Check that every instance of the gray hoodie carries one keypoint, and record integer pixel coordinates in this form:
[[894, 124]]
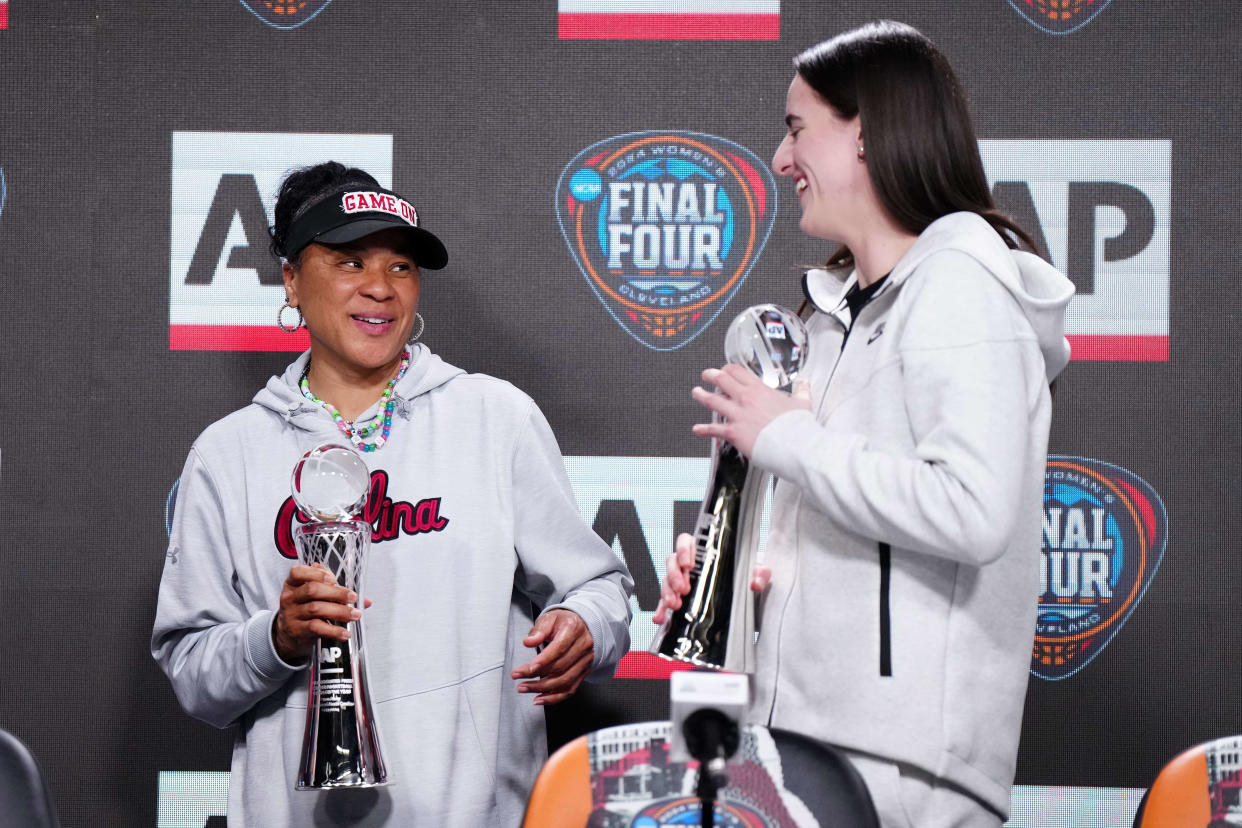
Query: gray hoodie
[[905, 529], [475, 530]]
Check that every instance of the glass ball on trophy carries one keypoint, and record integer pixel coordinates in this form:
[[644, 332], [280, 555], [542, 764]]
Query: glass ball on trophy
[[771, 342], [330, 483]]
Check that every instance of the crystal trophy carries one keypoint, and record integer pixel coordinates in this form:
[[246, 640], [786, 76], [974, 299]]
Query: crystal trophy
[[715, 627], [341, 745]]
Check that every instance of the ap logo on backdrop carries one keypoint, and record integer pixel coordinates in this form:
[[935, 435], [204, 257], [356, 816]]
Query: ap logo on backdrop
[[1105, 532], [225, 287], [665, 226], [1059, 16], [285, 14], [1101, 210]]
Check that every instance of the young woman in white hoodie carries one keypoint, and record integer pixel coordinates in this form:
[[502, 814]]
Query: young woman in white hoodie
[[902, 564]]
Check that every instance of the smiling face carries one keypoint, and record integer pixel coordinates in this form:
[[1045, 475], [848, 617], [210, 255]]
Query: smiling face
[[820, 153], [359, 301]]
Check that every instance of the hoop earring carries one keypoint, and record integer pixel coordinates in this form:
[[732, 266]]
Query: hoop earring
[[280, 318], [418, 317]]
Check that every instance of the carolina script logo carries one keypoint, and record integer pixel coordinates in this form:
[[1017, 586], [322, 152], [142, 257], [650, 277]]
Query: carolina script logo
[[665, 226], [1059, 16], [388, 518], [285, 14], [1104, 535]]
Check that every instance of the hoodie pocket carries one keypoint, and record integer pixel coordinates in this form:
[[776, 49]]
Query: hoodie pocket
[[886, 622]]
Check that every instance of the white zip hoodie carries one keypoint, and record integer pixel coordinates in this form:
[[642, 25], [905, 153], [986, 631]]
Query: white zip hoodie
[[905, 527], [475, 529]]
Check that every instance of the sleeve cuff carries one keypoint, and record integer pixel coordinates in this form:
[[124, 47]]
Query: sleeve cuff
[[595, 625], [261, 650]]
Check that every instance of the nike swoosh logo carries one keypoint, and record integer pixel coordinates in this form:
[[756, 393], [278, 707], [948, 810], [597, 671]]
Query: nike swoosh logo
[[876, 334]]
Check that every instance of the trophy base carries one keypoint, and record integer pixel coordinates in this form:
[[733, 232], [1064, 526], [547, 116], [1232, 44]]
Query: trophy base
[[330, 786], [691, 660], [322, 776]]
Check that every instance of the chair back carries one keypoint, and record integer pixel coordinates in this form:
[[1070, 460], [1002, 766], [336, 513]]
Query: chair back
[[1199, 788], [618, 775], [24, 797]]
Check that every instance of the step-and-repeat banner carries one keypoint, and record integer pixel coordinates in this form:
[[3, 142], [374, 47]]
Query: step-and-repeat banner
[[599, 171]]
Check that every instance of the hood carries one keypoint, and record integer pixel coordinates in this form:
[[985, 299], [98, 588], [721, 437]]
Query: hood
[[1039, 288], [283, 396]]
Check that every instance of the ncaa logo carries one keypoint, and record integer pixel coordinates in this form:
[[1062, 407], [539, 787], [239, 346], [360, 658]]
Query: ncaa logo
[[665, 226], [1104, 536], [285, 14], [225, 285], [1059, 16]]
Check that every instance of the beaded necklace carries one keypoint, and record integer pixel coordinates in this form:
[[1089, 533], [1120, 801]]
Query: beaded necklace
[[357, 435]]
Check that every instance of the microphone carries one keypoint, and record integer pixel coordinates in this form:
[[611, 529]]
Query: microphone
[[711, 737], [707, 711]]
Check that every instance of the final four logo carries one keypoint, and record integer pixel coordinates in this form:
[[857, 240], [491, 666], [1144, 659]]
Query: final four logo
[[1104, 535], [285, 14], [1059, 16], [688, 811], [665, 226]]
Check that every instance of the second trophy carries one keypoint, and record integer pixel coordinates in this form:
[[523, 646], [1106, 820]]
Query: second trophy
[[715, 627]]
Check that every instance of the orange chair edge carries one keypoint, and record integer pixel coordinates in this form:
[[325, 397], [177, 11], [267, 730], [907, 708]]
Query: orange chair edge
[[1179, 796], [562, 797]]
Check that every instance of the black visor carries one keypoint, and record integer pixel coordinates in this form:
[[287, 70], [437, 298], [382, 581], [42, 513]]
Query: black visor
[[350, 214]]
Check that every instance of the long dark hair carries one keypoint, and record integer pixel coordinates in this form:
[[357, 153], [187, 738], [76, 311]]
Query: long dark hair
[[305, 187], [922, 154]]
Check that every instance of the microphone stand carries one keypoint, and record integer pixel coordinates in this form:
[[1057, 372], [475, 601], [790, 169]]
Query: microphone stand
[[711, 737]]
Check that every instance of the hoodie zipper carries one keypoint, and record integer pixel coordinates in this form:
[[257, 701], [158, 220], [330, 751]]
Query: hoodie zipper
[[885, 551], [780, 629], [886, 641]]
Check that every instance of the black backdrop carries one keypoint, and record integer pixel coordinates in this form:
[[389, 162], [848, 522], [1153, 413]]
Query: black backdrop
[[486, 106]]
